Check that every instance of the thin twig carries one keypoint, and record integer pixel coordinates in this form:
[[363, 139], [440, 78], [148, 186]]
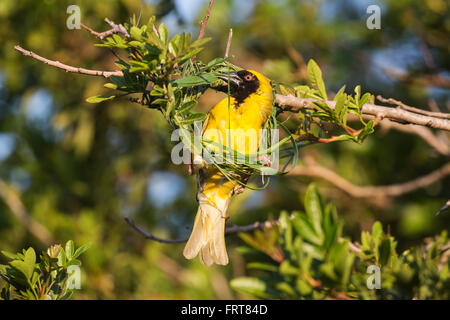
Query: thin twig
[[205, 20], [444, 208], [67, 68], [102, 36], [230, 37], [312, 169], [149, 235], [118, 27], [228, 231], [416, 110]]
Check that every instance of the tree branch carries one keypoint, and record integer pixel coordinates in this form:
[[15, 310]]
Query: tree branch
[[230, 37], [355, 247], [228, 231], [205, 20], [67, 68], [116, 28], [294, 104], [15, 204], [401, 105], [312, 169]]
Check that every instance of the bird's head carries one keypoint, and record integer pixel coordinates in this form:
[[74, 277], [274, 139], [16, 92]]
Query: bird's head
[[243, 83]]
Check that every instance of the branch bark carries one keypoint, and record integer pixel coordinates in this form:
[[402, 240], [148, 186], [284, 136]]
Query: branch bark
[[67, 68], [205, 20], [230, 37], [294, 104], [116, 28], [401, 105]]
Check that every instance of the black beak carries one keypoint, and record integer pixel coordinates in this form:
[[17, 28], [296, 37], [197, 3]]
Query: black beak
[[232, 77]]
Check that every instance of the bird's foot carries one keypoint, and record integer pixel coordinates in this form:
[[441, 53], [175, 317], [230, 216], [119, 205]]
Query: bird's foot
[[239, 189], [264, 159], [191, 169]]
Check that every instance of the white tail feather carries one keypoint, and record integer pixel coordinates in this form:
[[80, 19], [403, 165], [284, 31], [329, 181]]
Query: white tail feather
[[208, 235]]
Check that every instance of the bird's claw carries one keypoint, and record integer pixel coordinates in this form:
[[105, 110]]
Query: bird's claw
[[239, 189], [265, 159]]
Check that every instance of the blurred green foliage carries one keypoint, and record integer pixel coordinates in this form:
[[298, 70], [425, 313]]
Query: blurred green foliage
[[80, 168]]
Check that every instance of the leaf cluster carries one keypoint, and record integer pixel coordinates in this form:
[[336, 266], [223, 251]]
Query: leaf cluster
[[29, 279], [305, 256], [313, 127]]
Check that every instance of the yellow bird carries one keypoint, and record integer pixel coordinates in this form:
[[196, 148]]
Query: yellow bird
[[245, 111]]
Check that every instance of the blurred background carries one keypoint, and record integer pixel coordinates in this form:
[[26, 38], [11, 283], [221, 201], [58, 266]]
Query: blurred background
[[73, 170]]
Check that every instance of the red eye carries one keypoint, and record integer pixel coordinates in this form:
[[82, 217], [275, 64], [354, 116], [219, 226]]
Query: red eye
[[248, 78]]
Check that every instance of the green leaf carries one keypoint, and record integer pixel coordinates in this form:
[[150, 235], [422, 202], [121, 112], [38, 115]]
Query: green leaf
[[384, 251], [192, 81], [111, 86], [305, 229], [198, 43], [357, 94], [80, 250], [174, 45], [315, 77], [136, 33], [377, 230], [262, 266], [62, 258], [189, 55], [251, 285], [136, 44], [246, 250], [69, 249], [341, 106], [25, 268], [364, 99], [101, 98], [213, 63], [156, 41], [368, 129], [287, 269], [285, 288], [74, 262], [187, 106], [9, 255], [30, 257], [313, 207], [6, 292], [303, 287], [123, 66], [163, 33]]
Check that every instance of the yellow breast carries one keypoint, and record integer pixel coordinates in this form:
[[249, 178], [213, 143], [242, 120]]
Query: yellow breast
[[239, 125]]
